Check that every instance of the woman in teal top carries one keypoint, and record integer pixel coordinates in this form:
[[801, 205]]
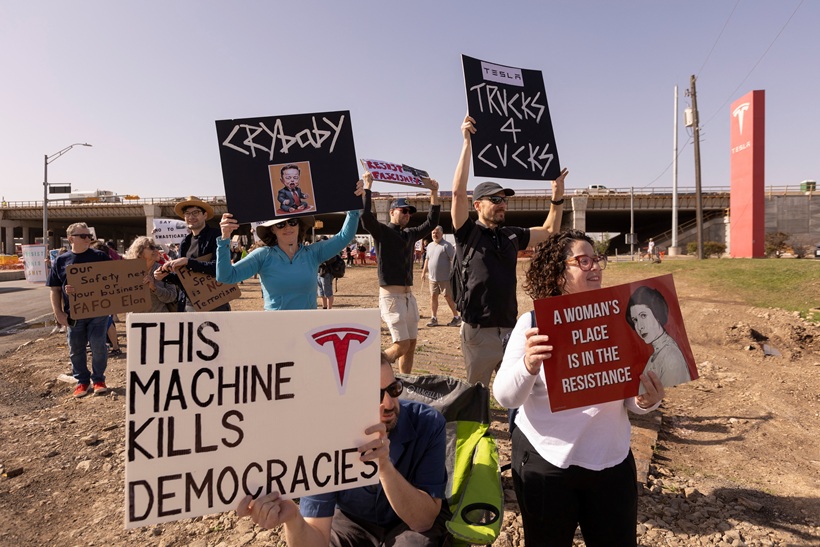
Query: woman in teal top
[[287, 269]]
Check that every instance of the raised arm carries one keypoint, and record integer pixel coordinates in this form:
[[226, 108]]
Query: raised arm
[[369, 221], [460, 209], [552, 224]]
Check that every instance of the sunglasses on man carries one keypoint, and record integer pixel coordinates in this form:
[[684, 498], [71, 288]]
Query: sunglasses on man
[[496, 200], [404, 211], [82, 236], [289, 222], [394, 390]]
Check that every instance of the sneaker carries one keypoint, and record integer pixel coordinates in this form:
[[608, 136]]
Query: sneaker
[[456, 322], [115, 352], [433, 322], [81, 390], [99, 388]]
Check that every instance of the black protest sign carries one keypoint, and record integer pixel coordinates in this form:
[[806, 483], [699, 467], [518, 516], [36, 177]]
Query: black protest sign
[[288, 165], [514, 137]]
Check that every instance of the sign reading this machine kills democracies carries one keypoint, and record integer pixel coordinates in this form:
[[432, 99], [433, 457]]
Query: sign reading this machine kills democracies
[[514, 137], [604, 339], [288, 165], [211, 418]]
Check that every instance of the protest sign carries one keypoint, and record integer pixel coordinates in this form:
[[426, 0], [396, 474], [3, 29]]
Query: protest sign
[[288, 165], [108, 287], [394, 172], [204, 292], [211, 417], [604, 339], [34, 258], [514, 137], [169, 231]]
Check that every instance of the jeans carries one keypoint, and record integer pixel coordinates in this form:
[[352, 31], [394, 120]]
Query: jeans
[[88, 331]]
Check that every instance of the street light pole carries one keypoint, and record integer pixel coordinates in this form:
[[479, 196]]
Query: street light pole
[[46, 160]]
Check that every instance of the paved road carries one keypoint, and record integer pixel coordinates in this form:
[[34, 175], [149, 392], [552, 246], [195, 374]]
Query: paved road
[[23, 303]]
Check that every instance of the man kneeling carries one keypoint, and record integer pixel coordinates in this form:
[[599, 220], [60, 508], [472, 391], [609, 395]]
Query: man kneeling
[[405, 508]]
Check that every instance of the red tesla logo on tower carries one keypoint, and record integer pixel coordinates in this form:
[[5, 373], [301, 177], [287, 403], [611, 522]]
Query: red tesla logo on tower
[[339, 344]]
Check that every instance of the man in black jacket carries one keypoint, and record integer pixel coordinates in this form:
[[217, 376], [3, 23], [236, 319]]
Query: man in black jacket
[[199, 244], [394, 254]]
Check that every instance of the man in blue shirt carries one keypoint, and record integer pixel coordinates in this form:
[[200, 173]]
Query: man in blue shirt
[[405, 508], [80, 332]]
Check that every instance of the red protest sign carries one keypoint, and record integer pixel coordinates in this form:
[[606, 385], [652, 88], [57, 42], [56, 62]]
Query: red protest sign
[[604, 340]]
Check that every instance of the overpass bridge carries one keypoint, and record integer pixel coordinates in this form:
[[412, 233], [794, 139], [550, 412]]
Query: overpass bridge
[[21, 222]]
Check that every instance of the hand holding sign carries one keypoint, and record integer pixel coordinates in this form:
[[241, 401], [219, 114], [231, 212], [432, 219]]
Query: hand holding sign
[[537, 350]]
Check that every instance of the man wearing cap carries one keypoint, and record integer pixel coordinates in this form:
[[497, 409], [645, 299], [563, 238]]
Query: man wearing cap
[[200, 243], [395, 243], [489, 309]]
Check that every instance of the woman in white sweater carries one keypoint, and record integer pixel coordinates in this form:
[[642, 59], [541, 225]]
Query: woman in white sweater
[[572, 467]]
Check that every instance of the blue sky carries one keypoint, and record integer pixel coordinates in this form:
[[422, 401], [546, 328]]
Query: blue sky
[[143, 82]]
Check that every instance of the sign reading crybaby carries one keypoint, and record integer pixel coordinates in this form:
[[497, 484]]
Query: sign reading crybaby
[[255, 153], [605, 339], [211, 418], [514, 137]]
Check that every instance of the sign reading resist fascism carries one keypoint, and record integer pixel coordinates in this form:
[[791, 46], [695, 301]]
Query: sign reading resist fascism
[[514, 137], [108, 287], [604, 339], [254, 151], [394, 172], [34, 257], [212, 418]]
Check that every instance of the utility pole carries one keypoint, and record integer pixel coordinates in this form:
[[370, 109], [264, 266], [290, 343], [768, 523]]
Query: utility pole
[[698, 196], [674, 247]]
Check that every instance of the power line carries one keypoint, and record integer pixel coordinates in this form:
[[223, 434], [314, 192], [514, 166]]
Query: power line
[[718, 38], [720, 108], [680, 151]]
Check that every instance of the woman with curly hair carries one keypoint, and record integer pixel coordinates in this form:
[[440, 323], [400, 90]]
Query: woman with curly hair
[[163, 295], [572, 467]]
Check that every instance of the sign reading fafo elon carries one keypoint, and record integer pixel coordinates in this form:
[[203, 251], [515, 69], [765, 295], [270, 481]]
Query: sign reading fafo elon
[[212, 418]]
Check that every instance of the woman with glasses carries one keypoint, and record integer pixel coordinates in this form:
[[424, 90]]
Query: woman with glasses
[[163, 295], [287, 269], [572, 467]]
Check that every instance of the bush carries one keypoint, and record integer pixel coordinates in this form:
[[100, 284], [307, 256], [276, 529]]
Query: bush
[[710, 248], [775, 243], [802, 245], [602, 245]]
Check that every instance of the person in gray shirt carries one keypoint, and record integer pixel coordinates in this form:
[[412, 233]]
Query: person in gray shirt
[[438, 264]]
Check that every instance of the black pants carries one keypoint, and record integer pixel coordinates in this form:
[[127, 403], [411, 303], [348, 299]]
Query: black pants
[[555, 501], [347, 532]]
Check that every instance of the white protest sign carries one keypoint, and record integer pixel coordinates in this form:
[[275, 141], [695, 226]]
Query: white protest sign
[[34, 257], [211, 417], [169, 230], [399, 173]]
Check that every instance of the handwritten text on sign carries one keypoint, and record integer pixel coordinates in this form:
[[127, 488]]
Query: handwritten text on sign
[[394, 172], [109, 287], [598, 356], [211, 418], [34, 257], [169, 230], [204, 291], [514, 137]]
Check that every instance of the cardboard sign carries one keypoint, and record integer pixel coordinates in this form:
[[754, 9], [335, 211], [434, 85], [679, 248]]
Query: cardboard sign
[[599, 356], [108, 287], [211, 418], [169, 231], [385, 171], [204, 291], [514, 137], [34, 258], [282, 166]]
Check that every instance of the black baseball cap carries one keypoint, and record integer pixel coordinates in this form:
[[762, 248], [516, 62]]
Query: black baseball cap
[[490, 188], [401, 203]]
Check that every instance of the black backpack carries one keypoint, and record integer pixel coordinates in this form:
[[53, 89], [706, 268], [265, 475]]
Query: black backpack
[[336, 267]]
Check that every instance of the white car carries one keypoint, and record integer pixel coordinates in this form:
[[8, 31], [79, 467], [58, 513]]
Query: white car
[[595, 190]]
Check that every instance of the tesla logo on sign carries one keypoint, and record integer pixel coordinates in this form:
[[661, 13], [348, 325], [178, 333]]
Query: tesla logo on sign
[[339, 344], [738, 113]]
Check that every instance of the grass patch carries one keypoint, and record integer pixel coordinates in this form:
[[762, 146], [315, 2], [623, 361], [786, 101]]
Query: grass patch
[[789, 284]]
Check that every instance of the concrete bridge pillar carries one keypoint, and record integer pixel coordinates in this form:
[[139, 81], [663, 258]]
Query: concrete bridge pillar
[[26, 234], [151, 212], [7, 234], [382, 207], [579, 213]]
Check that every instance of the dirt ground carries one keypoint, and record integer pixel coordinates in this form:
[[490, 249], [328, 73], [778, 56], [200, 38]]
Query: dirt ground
[[745, 435]]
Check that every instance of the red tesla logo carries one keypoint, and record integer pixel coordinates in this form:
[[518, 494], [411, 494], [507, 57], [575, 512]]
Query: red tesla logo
[[340, 343]]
